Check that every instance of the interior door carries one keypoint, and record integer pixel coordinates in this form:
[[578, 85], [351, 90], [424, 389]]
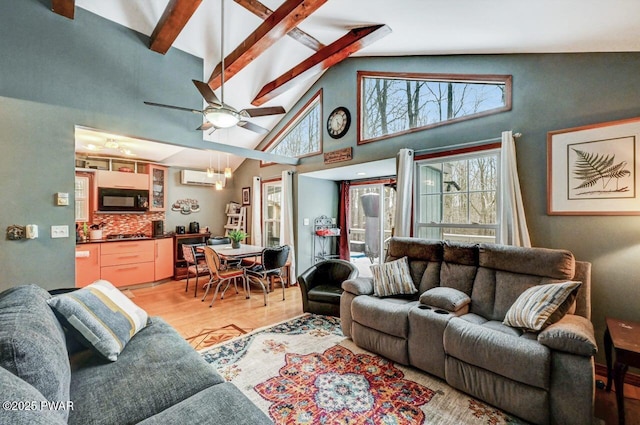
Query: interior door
[[371, 220]]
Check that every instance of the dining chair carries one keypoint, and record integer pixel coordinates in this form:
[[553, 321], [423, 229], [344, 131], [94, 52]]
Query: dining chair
[[218, 274], [273, 260], [196, 265]]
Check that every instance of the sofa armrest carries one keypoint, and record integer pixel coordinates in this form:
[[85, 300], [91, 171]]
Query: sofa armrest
[[359, 286], [448, 299], [572, 334]]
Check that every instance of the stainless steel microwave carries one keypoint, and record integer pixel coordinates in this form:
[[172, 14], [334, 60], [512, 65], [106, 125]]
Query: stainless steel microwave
[[122, 200]]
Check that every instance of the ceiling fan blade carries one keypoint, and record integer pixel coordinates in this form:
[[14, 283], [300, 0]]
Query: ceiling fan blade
[[205, 126], [261, 112], [252, 127], [207, 93], [179, 108]]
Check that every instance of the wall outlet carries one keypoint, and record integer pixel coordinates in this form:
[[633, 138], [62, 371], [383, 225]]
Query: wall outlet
[[59, 231]]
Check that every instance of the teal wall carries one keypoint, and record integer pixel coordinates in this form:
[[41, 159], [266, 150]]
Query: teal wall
[[550, 92], [57, 73]]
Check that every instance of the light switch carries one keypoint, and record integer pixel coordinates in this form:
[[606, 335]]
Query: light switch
[[305, 221], [62, 199]]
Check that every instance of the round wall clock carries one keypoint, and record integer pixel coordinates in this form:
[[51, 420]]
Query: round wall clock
[[338, 122]]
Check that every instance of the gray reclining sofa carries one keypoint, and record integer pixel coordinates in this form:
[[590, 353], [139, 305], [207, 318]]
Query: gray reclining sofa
[[544, 377]]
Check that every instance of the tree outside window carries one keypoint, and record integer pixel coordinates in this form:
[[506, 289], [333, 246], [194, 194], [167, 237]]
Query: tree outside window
[[302, 136], [271, 212], [456, 198], [392, 104]]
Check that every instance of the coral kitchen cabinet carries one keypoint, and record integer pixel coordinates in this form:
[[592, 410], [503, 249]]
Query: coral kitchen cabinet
[[87, 264], [128, 263], [163, 258]]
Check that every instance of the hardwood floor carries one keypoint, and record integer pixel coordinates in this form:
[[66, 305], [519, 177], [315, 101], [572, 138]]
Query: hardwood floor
[[190, 317]]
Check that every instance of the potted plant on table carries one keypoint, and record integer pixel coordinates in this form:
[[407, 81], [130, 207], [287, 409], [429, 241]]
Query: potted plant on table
[[236, 237]]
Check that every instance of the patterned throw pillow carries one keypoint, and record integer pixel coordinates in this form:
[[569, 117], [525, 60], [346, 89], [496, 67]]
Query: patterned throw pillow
[[534, 308], [392, 278], [101, 316]]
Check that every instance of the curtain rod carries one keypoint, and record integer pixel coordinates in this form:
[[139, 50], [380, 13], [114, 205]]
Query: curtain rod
[[464, 145]]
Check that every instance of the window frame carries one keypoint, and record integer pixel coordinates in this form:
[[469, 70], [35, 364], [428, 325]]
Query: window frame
[[458, 155], [460, 78], [293, 122], [263, 208]]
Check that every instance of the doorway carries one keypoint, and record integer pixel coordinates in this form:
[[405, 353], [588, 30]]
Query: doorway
[[371, 219]]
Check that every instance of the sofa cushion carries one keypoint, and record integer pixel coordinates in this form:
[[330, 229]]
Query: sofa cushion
[[534, 309], [156, 370], [572, 334], [392, 278], [101, 316], [446, 298], [388, 315], [498, 352], [20, 393], [544, 262], [220, 404], [32, 343], [325, 294]]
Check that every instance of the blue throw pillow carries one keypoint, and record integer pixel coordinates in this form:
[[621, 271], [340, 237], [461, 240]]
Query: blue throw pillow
[[101, 316]]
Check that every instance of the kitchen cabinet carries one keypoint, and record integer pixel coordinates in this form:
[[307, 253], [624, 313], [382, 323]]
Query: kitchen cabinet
[[87, 264], [157, 188], [163, 258], [122, 180], [128, 262]]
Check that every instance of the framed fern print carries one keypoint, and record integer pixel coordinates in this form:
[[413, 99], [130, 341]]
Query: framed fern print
[[593, 170]]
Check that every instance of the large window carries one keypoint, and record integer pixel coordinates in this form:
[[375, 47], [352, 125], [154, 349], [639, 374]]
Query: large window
[[392, 104], [302, 136], [271, 212], [457, 196]]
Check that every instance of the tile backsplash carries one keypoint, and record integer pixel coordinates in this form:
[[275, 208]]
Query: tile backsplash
[[127, 223]]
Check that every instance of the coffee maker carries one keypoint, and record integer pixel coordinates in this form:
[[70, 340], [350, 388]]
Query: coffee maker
[[194, 227], [157, 228]]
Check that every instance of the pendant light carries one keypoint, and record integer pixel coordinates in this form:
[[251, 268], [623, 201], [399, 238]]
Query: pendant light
[[218, 182], [210, 172]]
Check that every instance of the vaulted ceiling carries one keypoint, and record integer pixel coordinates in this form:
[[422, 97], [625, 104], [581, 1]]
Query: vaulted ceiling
[[275, 49]]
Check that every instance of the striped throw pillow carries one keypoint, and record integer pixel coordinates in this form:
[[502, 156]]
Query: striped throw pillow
[[100, 316], [392, 278], [534, 308]]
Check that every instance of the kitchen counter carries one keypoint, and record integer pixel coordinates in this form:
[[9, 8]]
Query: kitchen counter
[[146, 238]]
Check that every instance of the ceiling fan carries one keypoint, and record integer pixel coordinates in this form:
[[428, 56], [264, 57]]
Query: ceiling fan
[[217, 113]]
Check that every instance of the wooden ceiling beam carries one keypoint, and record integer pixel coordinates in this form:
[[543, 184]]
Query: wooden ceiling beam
[[263, 12], [66, 8], [283, 20], [173, 20], [336, 52]]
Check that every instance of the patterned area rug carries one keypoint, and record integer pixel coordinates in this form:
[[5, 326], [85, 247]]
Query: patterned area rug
[[304, 371]]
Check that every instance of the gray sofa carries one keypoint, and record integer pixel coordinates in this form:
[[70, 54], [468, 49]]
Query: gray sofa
[[157, 379], [544, 377]]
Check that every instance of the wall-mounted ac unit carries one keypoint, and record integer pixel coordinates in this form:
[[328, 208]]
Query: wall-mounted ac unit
[[200, 178]]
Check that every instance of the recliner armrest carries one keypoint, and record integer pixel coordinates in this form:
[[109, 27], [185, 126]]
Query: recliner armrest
[[359, 286], [572, 334]]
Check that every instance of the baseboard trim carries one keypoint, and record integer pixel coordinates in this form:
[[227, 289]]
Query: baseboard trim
[[629, 378]]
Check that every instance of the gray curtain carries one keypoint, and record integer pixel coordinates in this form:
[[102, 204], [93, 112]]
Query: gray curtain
[[286, 225], [404, 192], [513, 223], [256, 212]]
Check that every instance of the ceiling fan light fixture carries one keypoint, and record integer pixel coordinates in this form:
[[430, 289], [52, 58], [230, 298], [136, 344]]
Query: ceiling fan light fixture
[[222, 118]]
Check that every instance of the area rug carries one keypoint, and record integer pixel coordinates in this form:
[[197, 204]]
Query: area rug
[[304, 371]]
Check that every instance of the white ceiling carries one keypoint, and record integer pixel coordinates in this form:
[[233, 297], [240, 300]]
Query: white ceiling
[[419, 27]]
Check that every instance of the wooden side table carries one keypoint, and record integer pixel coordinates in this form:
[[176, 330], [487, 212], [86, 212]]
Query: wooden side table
[[624, 337]]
